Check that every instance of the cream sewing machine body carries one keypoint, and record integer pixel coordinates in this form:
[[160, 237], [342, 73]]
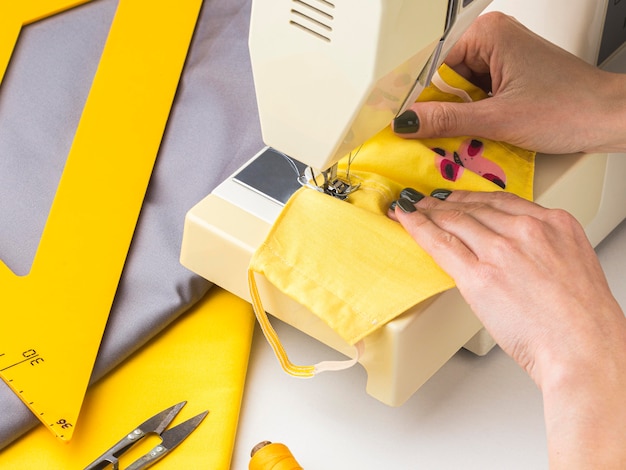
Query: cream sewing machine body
[[328, 76]]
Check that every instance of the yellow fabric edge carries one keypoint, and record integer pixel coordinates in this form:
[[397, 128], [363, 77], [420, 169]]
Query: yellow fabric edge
[[352, 216]]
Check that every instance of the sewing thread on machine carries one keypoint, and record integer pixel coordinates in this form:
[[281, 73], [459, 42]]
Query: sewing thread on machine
[[332, 185], [292, 164]]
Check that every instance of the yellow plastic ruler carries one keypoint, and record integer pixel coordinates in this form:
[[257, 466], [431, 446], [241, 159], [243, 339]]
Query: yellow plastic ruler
[[52, 320]]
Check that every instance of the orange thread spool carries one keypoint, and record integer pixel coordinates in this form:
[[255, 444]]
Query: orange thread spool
[[272, 456]]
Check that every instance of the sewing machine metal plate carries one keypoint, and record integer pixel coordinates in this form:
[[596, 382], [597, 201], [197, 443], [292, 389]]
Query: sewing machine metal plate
[[272, 175]]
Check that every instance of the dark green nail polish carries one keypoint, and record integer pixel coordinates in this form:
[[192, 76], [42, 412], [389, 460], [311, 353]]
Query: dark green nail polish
[[406, 123], [412, 195], [406, 206], [392, 206], [441, 194]]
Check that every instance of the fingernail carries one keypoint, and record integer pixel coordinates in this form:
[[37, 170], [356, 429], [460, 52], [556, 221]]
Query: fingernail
[[406, 206], [412, 195], [406, 123], [441, 194], [392, 206]]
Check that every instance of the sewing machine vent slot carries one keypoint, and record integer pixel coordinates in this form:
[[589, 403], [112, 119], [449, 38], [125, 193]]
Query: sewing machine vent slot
[[313, 17]]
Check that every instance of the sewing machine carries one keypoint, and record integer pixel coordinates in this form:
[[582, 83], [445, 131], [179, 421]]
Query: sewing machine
[[318, 66]]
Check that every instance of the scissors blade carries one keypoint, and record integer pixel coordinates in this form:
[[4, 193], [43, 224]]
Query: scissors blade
[[161, 420], [171, 438], [156, 424]]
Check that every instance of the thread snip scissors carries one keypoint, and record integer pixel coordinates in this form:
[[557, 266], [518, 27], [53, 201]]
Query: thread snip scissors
[[156, 425]]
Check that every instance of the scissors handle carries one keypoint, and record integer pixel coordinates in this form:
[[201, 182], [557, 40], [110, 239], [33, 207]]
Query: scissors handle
[[148, 459], [111, 456], [169, 440]]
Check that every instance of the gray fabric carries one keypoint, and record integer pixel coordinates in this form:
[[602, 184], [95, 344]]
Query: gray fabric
[[213, 129]]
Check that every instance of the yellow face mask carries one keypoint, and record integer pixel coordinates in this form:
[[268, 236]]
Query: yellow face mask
[[379, 271]]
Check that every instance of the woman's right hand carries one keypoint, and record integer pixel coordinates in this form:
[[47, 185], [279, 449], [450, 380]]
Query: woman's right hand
[[542, 97]]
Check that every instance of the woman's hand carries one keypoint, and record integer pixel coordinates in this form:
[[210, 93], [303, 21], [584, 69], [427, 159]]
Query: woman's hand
[[533, 279], [543, 98]]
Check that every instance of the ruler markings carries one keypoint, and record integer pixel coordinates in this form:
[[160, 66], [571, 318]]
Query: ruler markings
[[31, 358]]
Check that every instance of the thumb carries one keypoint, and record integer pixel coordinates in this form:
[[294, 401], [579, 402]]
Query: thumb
[[444, 119]]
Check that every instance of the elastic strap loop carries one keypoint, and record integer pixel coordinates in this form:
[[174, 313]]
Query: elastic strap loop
[[279, 350], [440, 83]]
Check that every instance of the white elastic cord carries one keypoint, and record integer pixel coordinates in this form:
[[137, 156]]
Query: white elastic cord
[[332, 366], [279, 350], [443, 86]]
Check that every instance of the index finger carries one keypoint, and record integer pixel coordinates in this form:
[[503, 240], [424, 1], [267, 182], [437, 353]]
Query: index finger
[[448, 251], [507, 203]]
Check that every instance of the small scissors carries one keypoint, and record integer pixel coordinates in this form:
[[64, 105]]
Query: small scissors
[[170, 439]]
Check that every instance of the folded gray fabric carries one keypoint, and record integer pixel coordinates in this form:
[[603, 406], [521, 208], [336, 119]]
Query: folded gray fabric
[[213, 129]]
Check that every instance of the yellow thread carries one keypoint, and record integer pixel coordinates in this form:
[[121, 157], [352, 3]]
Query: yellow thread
[[273, 456]]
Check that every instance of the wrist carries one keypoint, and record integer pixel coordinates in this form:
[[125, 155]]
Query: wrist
[[585, 420], [610, 121], [583, 398]]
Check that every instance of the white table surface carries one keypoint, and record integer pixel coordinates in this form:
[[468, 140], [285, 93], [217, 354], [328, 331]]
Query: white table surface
[[475, 413]]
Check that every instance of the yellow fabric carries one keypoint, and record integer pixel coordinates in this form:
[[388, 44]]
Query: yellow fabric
[[347, 262], [202, 358]]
